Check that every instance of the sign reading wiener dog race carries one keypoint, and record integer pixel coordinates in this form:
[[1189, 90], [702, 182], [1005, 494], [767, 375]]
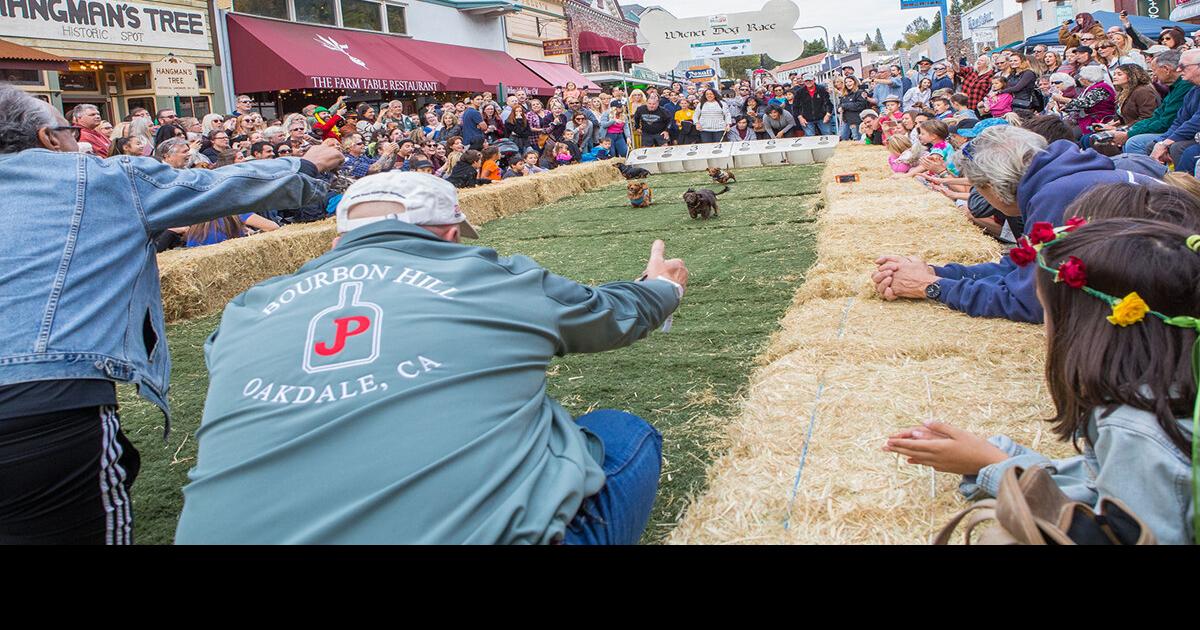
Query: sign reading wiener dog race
[[106, 22], [768, 30]]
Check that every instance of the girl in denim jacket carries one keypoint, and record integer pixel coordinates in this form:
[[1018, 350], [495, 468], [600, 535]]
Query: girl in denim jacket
[[1121, 297]]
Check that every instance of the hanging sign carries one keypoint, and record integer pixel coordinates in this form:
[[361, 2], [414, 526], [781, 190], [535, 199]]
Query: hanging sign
[[174, 77], [769, 30], [551, 47]]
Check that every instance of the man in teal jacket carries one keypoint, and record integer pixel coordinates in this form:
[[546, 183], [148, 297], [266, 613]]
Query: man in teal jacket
[[394, 391]]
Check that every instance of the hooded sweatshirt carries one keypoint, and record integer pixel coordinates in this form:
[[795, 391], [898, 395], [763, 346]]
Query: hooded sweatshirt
[[1054, 179]]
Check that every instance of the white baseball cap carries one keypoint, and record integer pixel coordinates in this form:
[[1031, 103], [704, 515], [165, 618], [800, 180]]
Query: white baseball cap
[[424, 199], [808, 76]]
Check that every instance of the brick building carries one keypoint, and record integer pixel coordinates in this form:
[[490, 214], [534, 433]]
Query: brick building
[[599, 29]]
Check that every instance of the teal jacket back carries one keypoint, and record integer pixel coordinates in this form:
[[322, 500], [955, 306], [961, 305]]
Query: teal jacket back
[[394, 391]]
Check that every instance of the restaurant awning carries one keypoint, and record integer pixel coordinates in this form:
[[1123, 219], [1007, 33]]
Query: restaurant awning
[[635, 54], [589, 42], [270, 55], [478, 69], [18, 57], [559, 74]]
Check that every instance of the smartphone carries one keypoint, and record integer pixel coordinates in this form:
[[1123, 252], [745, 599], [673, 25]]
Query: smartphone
[[847, 178]]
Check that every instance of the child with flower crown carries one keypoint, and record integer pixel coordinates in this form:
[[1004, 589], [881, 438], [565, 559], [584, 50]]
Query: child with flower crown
[[1122, 304]]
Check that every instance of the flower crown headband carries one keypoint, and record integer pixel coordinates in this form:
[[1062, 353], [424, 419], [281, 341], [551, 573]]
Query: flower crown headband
[[1127, 311]]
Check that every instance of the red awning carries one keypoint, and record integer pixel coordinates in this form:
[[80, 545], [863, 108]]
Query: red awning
[[477, 69], [270, 55], [591, 42], [634, 54], [559, 74], [18, 57]]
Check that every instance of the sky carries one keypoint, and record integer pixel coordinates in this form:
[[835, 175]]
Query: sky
[[851, 18]]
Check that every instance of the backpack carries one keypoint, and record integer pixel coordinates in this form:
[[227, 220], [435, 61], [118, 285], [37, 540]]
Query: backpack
[[1030, 509]]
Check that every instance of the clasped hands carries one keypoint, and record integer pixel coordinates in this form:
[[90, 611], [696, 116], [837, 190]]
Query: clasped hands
[[902, 277]]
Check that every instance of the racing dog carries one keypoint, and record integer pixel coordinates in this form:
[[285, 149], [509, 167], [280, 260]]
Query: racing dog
[[640, 195], [702, 203], [721, 176], [632, 172]]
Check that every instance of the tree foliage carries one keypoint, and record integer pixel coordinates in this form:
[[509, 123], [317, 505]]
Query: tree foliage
[[814, 47], [920, 30]]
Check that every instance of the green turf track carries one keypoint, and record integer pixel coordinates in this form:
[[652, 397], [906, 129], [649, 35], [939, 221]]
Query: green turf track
[[745, 266]]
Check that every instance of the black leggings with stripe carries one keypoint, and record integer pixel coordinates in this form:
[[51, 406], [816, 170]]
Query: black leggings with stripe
[[65, 479]]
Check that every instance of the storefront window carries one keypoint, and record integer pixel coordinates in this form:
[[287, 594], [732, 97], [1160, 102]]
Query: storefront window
[[137, 80], [315, 11], [397, 20], [585, 62], [145, 102], [21, 77], [78, 82], [195, 106], [361, 14], [265, 8]]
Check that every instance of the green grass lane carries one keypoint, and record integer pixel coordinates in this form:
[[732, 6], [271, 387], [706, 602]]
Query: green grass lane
[[745, 266]]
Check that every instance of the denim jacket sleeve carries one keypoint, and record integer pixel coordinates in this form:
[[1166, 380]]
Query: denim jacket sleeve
[[614, 315], [169, 197], [1132, 460]]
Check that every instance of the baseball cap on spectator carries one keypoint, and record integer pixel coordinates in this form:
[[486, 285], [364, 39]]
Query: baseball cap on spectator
[[868, 113], [1156, 49], [960, 126], [808, 76], [981, 126], [416, 164], [1084, 49], [423, 199]]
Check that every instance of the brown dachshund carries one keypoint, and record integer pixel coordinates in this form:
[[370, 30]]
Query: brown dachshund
[[640, 195], [721, 176]]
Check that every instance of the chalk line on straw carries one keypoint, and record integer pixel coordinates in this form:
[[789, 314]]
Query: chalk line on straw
[[812, 420]]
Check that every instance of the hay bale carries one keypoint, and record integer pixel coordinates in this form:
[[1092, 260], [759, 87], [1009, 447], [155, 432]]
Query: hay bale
[[872, 379], [200, 281]]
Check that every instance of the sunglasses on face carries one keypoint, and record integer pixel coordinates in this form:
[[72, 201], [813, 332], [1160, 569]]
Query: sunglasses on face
[[245, 102], [284, 151]]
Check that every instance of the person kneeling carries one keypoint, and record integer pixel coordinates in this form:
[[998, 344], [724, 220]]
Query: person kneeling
[[403, 399]]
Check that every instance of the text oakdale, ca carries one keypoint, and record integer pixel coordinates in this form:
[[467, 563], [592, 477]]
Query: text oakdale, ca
[[714, 31]]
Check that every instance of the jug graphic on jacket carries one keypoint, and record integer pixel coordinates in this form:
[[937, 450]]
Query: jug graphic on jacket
[[344, 335]]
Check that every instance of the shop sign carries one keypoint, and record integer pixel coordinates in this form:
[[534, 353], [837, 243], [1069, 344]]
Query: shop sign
[[1157, 9], [174, 77], [646, 75], [700, 74], [768, 30], [551, 47], [356, 83], [1064, 11], [106, 22]]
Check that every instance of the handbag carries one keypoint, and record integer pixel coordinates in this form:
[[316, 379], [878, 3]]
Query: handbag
[[1030, 509]]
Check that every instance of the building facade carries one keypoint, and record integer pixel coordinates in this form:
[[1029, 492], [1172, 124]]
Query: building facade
[[538, 22], [588, 18], [109, 45], [980, 26]]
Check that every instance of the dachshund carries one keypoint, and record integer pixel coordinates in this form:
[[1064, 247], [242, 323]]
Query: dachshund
[[702, 203], [721, 176], [640, 195], [632, 172]]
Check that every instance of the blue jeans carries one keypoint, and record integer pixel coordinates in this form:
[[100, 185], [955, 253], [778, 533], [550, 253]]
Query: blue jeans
[[1141, 144], [819, 128], [620, 148], [1187, 159], [632, 463], [707, 137], [850, 132]]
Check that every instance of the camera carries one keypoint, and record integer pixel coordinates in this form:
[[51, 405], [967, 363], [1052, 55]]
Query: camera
[[1103, 136]]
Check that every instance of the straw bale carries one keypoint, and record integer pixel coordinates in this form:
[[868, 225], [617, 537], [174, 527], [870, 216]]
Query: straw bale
[[984, 375], [200, 281]]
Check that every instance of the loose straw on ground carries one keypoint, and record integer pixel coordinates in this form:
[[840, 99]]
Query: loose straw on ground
[[861, 377]]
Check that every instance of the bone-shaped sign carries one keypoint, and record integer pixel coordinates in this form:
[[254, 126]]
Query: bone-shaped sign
[[768, 30]]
